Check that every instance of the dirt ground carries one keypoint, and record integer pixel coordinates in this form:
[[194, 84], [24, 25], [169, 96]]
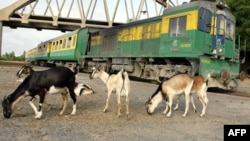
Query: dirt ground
[[91, 124]]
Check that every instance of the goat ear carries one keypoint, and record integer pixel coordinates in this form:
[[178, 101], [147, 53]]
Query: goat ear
[[99, 67], [149, 99], [93, 68]]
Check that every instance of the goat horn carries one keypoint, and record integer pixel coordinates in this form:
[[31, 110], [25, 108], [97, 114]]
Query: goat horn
[[98, 67]]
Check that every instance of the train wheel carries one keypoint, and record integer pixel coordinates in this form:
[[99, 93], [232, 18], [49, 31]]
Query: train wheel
[[242, 76], [233, 84]]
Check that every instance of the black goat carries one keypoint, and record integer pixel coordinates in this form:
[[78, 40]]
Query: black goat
[[39, 83]]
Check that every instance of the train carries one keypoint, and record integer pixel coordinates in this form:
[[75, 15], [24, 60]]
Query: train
[[197, 38]]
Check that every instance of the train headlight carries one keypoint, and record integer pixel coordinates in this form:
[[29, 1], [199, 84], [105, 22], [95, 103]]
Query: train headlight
[[221, 4]]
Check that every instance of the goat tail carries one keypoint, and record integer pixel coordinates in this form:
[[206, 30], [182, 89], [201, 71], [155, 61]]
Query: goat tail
[[124, 79], [208, 76], [205, 99], [75, 69]]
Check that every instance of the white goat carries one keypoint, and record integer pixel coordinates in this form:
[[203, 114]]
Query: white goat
[[119, 83], [175, 86]]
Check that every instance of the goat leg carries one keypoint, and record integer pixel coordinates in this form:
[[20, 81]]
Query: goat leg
[[127, 106], [107, 101], [64, 104], [192, 101], [187, 104], [170, 107], [73, 97], [33, 105], [118, 103], [166, 109]]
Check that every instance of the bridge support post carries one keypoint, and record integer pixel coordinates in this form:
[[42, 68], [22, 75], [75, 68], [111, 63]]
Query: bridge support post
[[1, 33]]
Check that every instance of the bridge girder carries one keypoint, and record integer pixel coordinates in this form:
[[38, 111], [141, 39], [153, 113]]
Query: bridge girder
[[17, 15]]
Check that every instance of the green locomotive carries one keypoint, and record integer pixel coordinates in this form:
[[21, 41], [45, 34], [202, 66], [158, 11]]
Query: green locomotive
[[197, 38]]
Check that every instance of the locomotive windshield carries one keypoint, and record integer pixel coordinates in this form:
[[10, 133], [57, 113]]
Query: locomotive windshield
[[205, 17]]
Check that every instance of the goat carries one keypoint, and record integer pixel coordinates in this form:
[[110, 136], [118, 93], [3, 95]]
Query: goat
[[199, 87], [79, 88], [169, 89], [119, 83], [39, 83]]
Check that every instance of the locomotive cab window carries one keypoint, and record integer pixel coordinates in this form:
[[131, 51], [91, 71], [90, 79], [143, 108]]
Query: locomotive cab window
[[229, 31], [178, 26], [204, 21], [220, 25]]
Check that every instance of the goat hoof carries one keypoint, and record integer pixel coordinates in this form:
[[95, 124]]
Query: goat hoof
[[104, 111], [73, 113], [39, 118], [195, 110], [184, 116], [38, 115], [168, 116]]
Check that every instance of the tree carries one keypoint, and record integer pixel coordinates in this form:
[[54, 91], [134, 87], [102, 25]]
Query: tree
[[9, 56], [241, 10], [21, 58]]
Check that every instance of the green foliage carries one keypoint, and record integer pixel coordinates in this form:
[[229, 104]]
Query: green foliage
[[11, 57], [241, 10]]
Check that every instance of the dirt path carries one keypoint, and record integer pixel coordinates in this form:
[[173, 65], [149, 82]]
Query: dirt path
[[90, 123]]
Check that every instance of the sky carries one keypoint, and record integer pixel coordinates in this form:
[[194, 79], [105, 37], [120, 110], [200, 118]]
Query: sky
[[23, 39]]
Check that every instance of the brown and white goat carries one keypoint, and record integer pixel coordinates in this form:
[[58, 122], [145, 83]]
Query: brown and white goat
[[118, 83], [199, 87], [169, 89]]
